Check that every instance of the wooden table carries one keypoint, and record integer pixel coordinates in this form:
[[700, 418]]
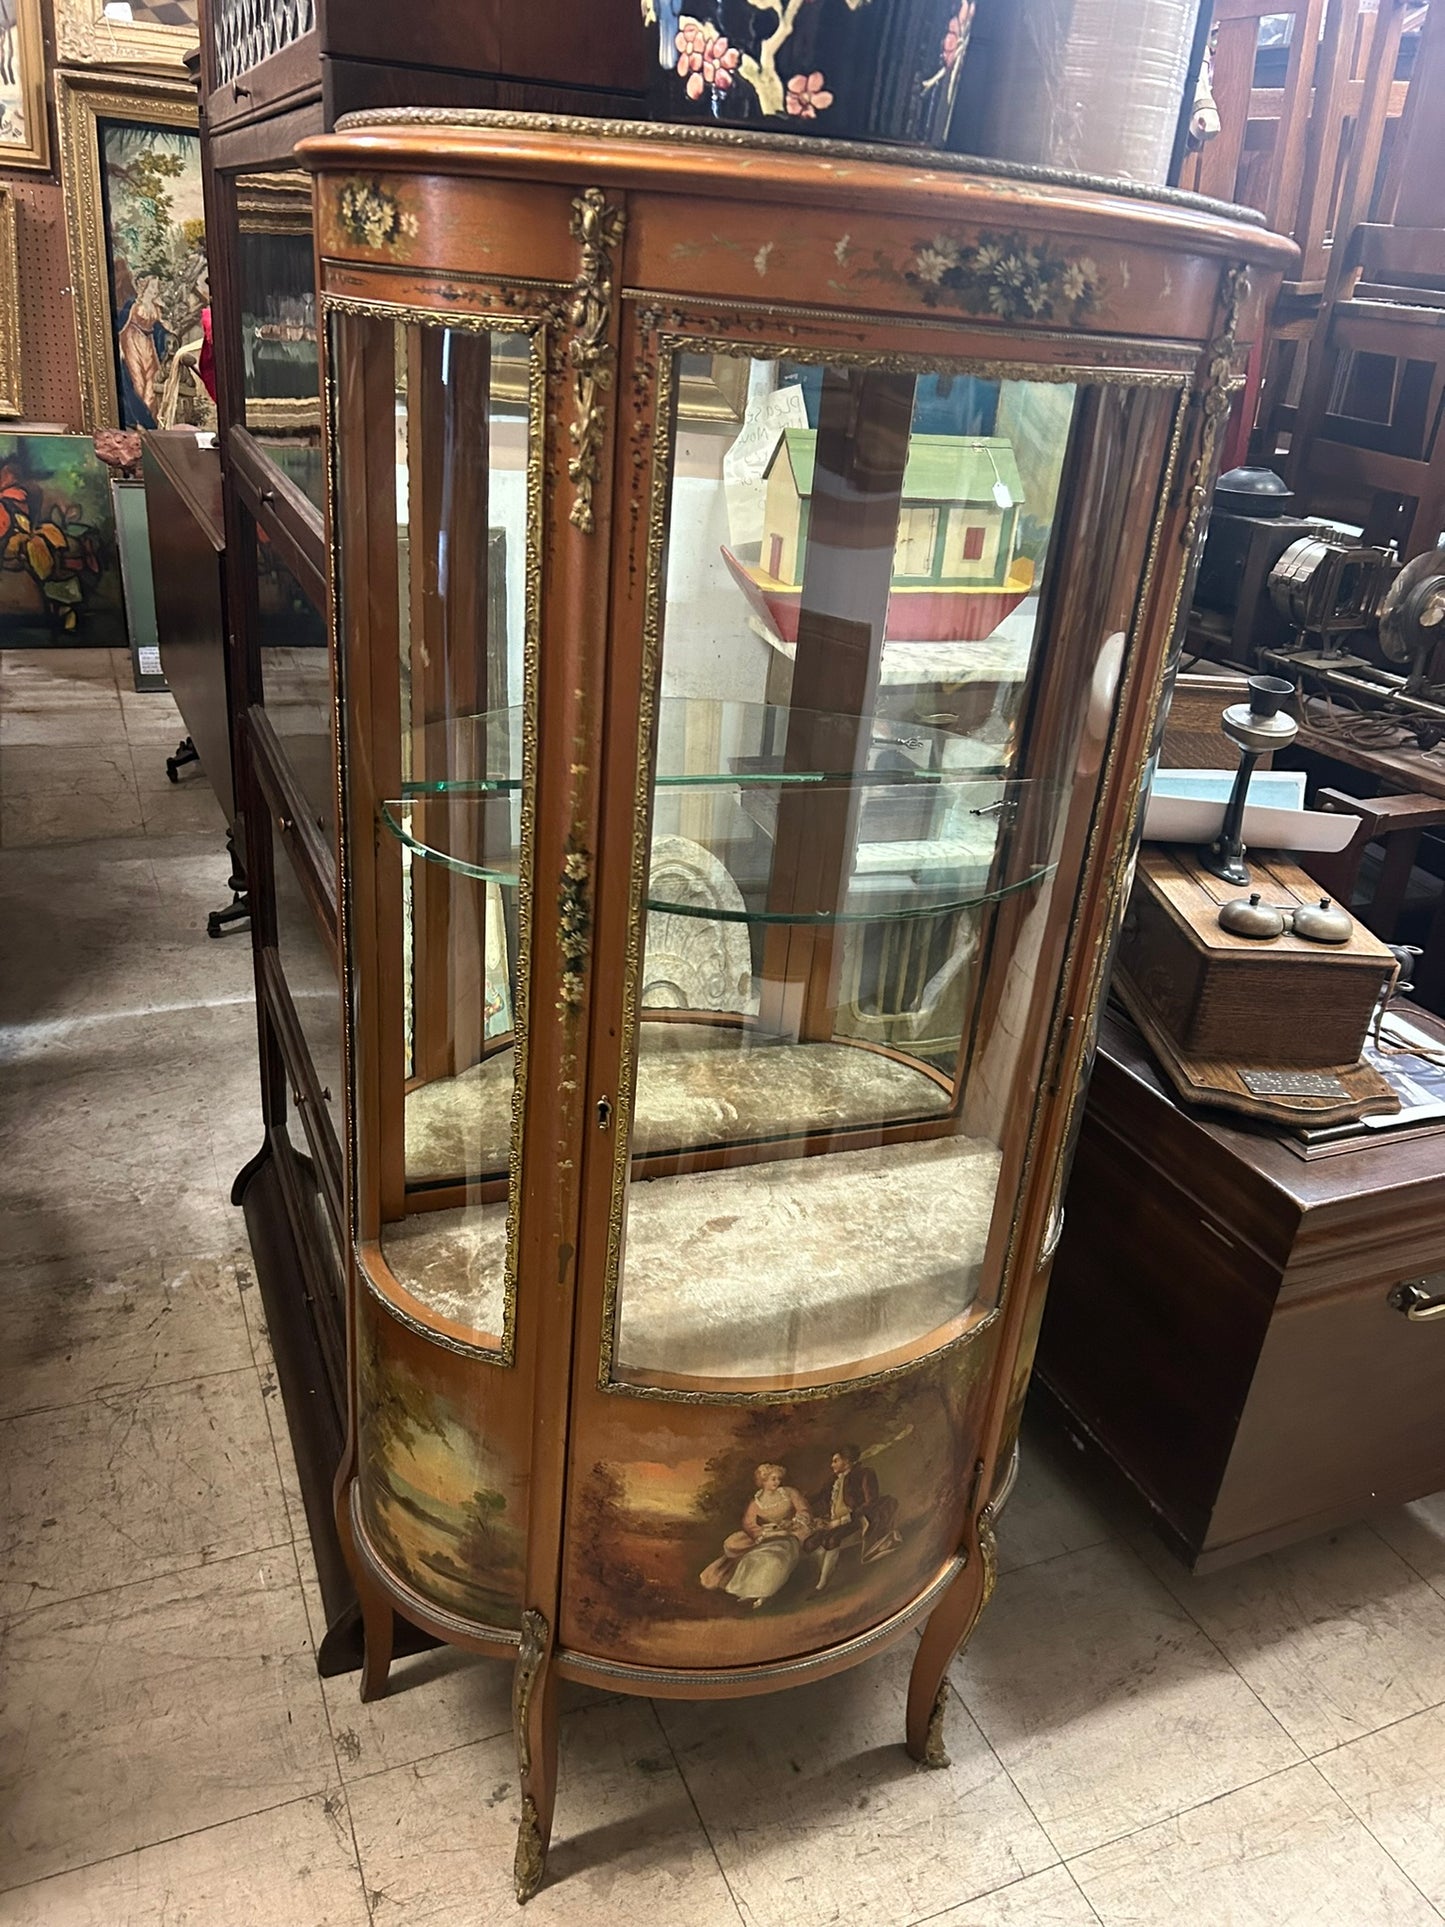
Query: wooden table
[[1220, 1323]]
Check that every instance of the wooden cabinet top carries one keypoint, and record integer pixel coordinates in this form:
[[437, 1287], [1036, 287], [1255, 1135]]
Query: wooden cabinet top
[[823, 224], [1327, 1219]]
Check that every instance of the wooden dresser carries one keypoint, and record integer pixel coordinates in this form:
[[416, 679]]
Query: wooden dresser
[[1225, 1322]]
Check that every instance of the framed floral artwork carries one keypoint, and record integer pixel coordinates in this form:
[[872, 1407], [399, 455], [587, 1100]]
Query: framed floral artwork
[[10, 404], [130, 165], [24, 131], [125, 33], [59, 578]]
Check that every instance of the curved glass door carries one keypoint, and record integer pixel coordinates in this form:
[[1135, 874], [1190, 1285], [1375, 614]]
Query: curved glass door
[[842, 876]]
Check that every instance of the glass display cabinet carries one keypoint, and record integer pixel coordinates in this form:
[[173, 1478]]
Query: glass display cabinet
[[756, 572]]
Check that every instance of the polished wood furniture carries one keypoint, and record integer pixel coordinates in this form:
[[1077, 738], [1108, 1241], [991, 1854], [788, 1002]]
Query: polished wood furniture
[[1208, 1000], [271, 74], [187, 538], [716, 1033], [1228, 1323]]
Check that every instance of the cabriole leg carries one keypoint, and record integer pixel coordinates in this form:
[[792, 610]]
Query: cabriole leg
[[949, 1629], [534, 1722], [378, 1621]]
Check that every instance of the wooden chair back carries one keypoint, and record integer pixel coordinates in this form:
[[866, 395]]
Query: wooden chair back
[[1258, 156], [1413, 192], [1355, 94]]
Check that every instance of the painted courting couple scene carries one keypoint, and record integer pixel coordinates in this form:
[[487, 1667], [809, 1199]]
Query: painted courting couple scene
[[784, 1529]]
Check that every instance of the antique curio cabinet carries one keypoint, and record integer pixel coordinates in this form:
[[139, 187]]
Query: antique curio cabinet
[[755, 571]]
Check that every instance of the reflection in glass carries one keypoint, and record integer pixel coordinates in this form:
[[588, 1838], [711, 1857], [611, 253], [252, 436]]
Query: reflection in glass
[[310, 969], [843, 840], [274, 273], [296, 682]]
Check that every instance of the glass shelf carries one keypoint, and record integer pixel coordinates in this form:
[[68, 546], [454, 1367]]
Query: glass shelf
[[759, 745], [928, 807]]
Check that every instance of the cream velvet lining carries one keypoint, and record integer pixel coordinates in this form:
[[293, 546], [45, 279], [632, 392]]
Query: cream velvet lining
[[797, 1264], [696, 1084]]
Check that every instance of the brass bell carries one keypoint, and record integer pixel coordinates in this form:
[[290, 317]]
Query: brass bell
[[1324, 922], [1251, 917]]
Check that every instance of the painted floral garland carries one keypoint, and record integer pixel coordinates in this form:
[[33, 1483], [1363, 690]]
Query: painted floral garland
[[1006, 275]]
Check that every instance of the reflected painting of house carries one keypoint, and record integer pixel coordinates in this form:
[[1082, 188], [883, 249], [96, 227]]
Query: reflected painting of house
[[957, 571]]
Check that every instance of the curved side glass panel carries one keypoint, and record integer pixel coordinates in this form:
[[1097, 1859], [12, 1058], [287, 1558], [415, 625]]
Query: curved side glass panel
[[451, 430]]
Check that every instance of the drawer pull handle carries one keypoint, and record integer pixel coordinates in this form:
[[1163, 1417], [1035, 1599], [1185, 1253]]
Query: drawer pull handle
[[1415, 1301]]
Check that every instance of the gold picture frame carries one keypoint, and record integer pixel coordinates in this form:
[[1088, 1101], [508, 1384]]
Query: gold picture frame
[[84, 37], [82, 102], [712, 388], [24, 128], [10, 403]]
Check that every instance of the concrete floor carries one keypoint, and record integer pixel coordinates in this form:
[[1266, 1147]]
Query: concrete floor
[[1265, 1748]]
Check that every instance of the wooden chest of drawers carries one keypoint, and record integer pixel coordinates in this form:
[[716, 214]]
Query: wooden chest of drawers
[[1227, 1322]]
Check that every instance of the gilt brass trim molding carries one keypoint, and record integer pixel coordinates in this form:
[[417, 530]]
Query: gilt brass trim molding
[[1156, 359], [919, 161], [1222, 379], [531, 1855], [424, 1612], [934, 1752], [598, 225], [583, 1666]]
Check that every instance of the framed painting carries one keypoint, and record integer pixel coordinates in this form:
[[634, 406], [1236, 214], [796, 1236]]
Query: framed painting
[[24, 132], [10, 403], [714, 388], [125, 33], [130, 166], [60, 583]]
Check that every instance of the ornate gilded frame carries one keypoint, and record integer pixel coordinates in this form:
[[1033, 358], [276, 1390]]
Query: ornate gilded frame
[[82, 101], [84, 37], [1170, 372], [10, 403], [718, 393], [34, 150]]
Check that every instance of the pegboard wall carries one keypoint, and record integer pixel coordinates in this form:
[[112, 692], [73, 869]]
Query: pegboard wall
[[49, 376]]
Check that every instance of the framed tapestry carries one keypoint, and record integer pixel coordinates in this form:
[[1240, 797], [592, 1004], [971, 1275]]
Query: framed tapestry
[[24, 132], [10, 404], [130, 165], [125, 33]]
